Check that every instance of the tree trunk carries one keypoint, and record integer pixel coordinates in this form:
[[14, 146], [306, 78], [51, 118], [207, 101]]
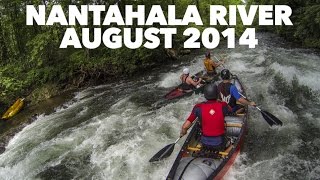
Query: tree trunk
[[198, 5], [87, 54]]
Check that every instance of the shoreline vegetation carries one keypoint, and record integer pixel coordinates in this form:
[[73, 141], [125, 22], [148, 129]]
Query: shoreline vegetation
[[306, 22], [33, 66]]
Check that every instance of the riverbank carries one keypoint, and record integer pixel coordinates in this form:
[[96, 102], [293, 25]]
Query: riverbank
[[8, 128], [46, 99], [111, 131]]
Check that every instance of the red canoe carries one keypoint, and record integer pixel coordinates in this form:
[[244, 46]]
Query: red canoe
[[189, 165]]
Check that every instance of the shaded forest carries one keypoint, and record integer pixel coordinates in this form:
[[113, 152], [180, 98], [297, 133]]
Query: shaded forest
[[30, 57], [31, 63], [305, 18]]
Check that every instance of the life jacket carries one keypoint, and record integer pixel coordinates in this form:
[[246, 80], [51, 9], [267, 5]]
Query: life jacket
[[208, 65], [225, 95], [185, 85], [212, 118]]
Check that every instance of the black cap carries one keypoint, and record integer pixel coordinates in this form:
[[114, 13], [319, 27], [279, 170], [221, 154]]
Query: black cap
[[225, 74], [208, 54], [211, 92]]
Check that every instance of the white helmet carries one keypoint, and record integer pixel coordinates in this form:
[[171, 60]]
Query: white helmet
[[186, 71]]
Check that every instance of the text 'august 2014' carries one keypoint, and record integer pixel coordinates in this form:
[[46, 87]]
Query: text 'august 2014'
[[113, 28]]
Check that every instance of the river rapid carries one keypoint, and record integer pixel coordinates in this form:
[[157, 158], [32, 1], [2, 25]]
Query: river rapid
[[111, 131]]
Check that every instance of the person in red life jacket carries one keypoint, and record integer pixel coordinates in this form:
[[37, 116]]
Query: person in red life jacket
[[229, 93], [187, 82], [211, 114]]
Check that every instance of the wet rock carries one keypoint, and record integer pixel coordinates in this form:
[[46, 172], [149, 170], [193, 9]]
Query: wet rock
[[171, 53], [184, 51], [2, 149], [43, 93]]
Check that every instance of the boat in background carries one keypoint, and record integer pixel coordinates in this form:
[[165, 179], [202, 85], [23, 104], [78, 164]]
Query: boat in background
[[178, 92], [14, 109]]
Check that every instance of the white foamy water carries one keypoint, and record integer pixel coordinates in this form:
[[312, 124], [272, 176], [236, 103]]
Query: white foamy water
[[275, 168], [111, 131], [170, 80], [117, 142]]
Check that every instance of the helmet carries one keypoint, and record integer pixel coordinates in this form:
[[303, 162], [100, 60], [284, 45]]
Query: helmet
[[186, 71], [211, 92], [208, 54], [225, 74]]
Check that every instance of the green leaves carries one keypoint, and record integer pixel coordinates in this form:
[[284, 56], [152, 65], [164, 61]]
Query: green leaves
[[30, 56], [10, 83], [309, 26], [305, 18]]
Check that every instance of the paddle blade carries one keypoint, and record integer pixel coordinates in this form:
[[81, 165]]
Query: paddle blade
[[163, 153], [270, 118]]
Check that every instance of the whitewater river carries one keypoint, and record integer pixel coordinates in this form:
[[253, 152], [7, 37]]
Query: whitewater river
[[111, 131]]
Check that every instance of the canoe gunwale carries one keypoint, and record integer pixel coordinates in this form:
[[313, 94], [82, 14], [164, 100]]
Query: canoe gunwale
[[227, 161]]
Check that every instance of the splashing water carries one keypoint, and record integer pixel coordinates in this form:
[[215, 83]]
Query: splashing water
[[111, 131]]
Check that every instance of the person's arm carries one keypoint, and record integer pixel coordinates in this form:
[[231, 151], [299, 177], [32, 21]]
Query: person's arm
[[235, 93], [194, 83], [244, 101], [226, 109], [187, 124], [216, 64], [185, 128]]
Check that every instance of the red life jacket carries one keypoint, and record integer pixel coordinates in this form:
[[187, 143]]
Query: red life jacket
[[212, 117]]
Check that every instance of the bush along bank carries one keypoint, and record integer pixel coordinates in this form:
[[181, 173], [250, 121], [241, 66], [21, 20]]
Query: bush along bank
[[32, 64], [43, 82]]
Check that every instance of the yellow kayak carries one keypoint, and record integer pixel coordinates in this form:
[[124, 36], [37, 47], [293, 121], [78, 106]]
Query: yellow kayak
[[14, 109]]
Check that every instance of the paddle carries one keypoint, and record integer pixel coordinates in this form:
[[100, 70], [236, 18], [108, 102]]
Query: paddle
[[164, 152], [219, 61], [270, 118]]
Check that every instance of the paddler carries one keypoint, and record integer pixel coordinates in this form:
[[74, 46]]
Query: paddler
[[229, 93], [187, 82], [211, 116], [210, 65]]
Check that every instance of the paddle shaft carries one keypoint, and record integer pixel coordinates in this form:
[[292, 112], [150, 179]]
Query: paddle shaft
[[244, 97], [169, 148], [219, 61], [248, 99], [166, 151], [271, 119], [177, 140]]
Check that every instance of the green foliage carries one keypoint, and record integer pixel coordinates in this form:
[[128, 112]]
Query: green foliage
[[10, 85], [308, 27], [30, 56], [305, 18]]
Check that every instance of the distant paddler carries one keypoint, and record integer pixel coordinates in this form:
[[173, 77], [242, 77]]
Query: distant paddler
[[189, 83], [210, 65]]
